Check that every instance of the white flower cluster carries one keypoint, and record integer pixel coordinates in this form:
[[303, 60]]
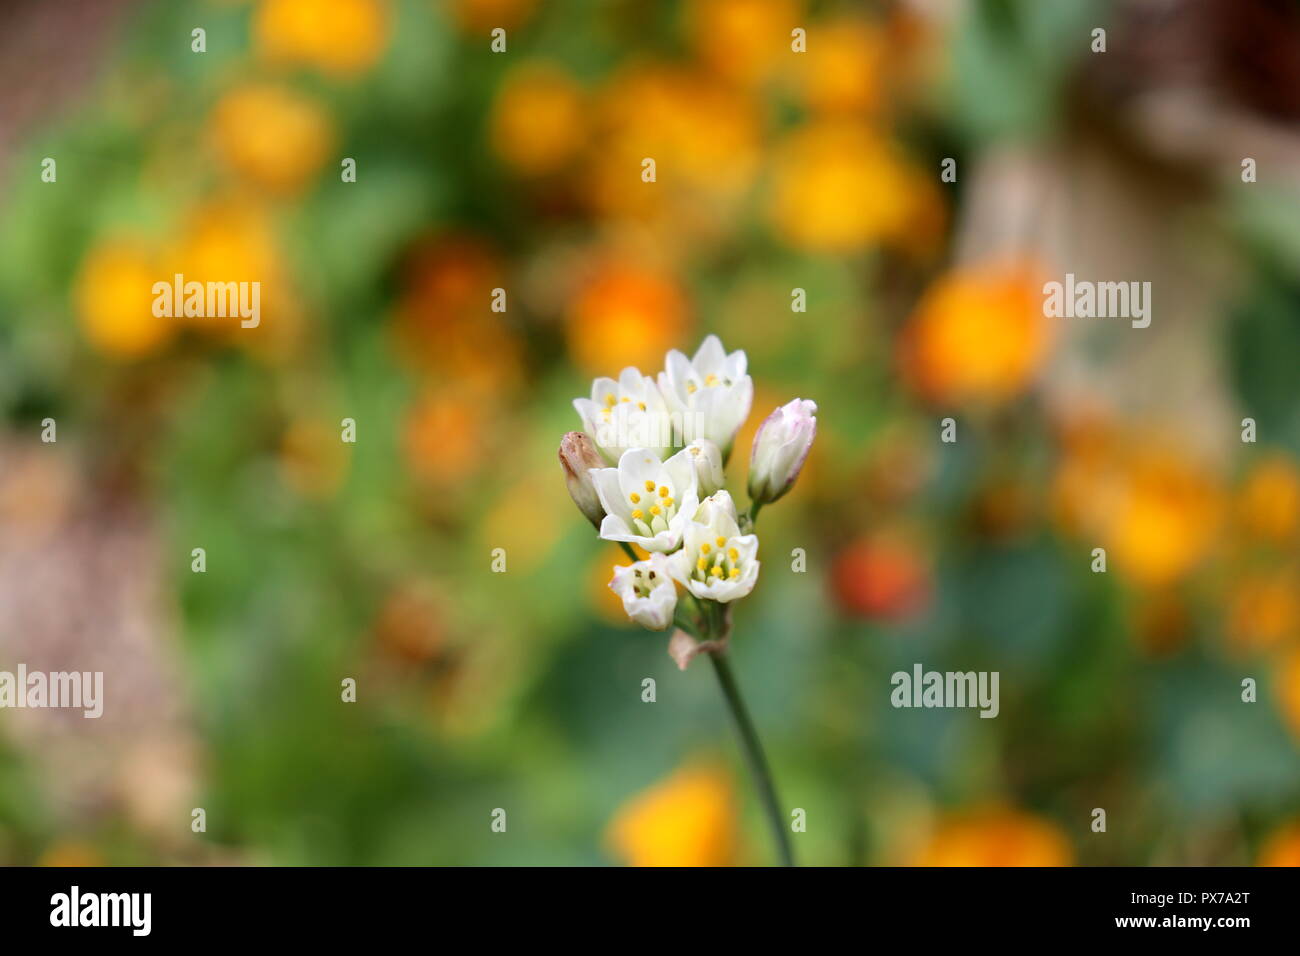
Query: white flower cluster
[[673, 505]]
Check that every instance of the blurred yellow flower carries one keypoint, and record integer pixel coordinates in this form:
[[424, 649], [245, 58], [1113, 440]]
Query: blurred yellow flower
[[339, 37], [626, 314], [1282, 848], [744, 40], [272, 136], [703, 137], [688, 819], [538, 119], [977, 336], [841, 72], [114, 299], [1269, 500], [838, 186], [995, 837], [1156, 511]]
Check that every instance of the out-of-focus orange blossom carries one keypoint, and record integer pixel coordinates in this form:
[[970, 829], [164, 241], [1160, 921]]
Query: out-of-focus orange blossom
[[1264, 609], [1268, 504], [538, 119], [626, 313], [745, 41], [114, 299], [880, 577], [839, 186], [313, 459], [1288, 689], [272, 136], [339, 37], [688, 819], [445, 325], [977, 336], [481, 16], [703, 137], [841, 72], [995, 837], [1282, 847], [409, 623], [1156, 511], [607, 605], [443, 438]]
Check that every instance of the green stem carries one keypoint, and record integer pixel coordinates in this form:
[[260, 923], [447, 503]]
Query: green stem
[[754, 507], [754, 756], [630, 553]]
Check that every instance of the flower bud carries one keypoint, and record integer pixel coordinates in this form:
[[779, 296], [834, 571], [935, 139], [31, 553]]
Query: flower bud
[[780, 448], [578, 455], [707, 459]]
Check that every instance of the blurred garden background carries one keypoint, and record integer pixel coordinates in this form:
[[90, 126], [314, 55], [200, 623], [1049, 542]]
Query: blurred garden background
[[777, 170]]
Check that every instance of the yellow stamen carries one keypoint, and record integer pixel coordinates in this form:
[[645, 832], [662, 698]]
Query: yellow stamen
[[734, 573], [656, 510], [610, 399], [663, 491], [701, 564], [704, 548], [641, 405], [720, 541], [734, 554], [690, 388], [715, 571], [634, 498], [649, 485], [638, 515], [710, 380], [668, 502]]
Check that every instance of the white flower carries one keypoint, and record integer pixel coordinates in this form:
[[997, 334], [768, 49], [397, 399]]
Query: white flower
[[629, 413], [711, 392], [707, 459], [648, 593], [647, 501], [716, 561], [780, 448]]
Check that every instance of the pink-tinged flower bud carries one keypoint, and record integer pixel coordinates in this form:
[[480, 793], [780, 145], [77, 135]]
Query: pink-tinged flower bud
[[578, 455], [780, 448]]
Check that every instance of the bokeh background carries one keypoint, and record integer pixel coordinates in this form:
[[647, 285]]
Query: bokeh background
[[776, 170]]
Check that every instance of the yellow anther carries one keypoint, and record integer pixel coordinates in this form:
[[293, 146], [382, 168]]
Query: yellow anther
[[668, 502], [638, 515], [733, 554], [626, 399], [649, 485], [634, 498], [715, 571], [710, 380], [656, 510], [690, 388], [720, 541], [610, 399], [701, 564], [663, 491], [641, 405], [734, 573], [704, 548]]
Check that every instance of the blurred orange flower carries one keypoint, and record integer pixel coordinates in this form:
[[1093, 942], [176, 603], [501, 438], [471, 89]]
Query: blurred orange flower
[[880, 577], [1269, 500], [480, 16], [995, 837], [1264, 609], [626, 314], [443, 438], [1288, 689], [114, 298], [977, 336], [688, 819], [1282, 848], [841, 71], [339, 37], [744, 40], [538, 119], [272, 136], [839, 186], [1155, 510]]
